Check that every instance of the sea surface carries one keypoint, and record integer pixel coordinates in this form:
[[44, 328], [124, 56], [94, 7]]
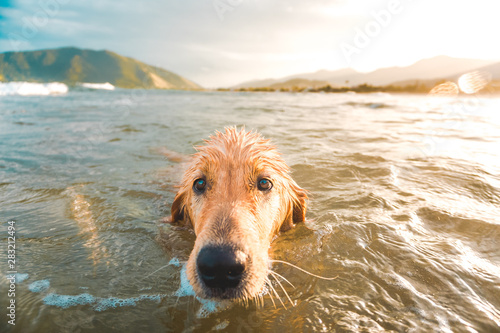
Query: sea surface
[[404, 210]]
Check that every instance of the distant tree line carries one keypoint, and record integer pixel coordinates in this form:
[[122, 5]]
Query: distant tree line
[[418, 88], [362, 88]]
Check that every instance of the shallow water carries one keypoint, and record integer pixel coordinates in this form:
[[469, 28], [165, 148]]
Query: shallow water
[[404, 208]]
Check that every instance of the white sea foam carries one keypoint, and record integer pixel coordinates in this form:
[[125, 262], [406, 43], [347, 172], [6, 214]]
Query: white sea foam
[[101, 304], [67, 301], [20, 277], [185, 288], [32, 88], [97, 303], [104, 86], [39, 286], [175, 262]]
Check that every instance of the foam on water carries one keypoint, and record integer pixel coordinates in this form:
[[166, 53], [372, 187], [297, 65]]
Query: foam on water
[[32, 88], [20, 277], [185, 288], [97, 303], [174, 262], [39, 286], [67, 301], [103, 86], [113, 302], [101, 304]]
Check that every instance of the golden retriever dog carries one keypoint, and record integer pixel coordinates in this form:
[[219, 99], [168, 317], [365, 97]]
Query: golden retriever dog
[[236, 194]]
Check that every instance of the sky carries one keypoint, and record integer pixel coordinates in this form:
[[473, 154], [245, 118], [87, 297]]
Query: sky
[[220, 43]]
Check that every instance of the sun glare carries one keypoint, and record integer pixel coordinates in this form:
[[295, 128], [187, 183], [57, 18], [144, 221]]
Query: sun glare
[[473, 82]]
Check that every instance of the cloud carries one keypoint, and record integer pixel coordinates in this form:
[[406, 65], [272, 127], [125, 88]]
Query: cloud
[[180, 36], [249, 39]]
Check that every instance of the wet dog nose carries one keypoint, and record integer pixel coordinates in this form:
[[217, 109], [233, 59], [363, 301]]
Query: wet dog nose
[[220, 267]]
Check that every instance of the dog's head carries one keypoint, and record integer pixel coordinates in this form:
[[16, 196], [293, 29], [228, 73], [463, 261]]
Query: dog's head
[[236, 194]]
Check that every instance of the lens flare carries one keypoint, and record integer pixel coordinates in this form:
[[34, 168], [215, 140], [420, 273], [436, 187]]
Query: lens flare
[[447, 89], [473, 82]]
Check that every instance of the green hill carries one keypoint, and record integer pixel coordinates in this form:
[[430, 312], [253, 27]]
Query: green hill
[[72, 65]]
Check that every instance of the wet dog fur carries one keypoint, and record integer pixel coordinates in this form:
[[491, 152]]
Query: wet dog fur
[[237, 195]]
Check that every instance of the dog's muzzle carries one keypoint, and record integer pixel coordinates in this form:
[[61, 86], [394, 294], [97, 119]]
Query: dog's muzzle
[[221, 268]]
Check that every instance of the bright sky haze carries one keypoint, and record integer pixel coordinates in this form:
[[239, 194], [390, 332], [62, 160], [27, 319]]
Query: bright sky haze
[[219, 43]]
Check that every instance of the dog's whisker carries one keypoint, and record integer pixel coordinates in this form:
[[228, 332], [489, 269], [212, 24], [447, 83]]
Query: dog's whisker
[[276, 293], [257, 301], [284, 290], [281, 276], [162, 267], [303, 270], [244, 301], [268, 282]]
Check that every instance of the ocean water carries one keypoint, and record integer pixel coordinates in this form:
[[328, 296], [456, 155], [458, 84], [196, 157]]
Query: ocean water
[[404, 209]]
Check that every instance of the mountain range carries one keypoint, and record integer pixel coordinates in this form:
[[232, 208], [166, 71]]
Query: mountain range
[[430, 70], [72, 65]]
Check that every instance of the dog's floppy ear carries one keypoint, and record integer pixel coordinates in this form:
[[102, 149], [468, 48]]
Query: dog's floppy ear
[[297, 208], [179, 214], [300, 205]]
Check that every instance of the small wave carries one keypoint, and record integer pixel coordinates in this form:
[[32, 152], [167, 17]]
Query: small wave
[[32, 88], [374, 105], [102, 86]]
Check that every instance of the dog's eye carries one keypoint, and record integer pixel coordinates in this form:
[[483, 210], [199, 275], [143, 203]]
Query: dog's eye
[[199, 185], [264, 185]]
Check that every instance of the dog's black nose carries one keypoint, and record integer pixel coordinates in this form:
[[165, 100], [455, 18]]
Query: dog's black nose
[[220, 267]]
